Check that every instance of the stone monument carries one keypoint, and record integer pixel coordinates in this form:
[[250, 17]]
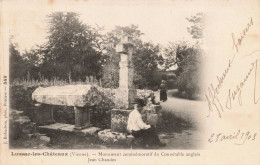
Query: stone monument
[[81, 97], [126, 93]]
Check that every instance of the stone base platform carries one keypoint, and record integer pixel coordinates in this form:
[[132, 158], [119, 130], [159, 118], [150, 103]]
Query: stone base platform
[[117, 138], [60, 133]]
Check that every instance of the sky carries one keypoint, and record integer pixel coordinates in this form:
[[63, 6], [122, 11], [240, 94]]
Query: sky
[[159, 23]]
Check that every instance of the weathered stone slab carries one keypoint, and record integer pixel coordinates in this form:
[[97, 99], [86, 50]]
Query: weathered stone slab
[[65, 134], [90, 130], [55, 126], [68, 128], [69, 95]]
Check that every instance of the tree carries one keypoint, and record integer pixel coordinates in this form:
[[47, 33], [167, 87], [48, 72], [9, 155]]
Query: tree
[[17, 64], [188, 73], [174, 53], [146, 58], [72, 49], [196, 30], [110, 77], [119, 32], [187, 59], [34, 60]]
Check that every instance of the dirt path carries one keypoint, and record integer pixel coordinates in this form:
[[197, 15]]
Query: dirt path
[[189, 111]]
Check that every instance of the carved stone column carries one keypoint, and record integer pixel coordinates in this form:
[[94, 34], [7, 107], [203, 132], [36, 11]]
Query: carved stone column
[[126, 92]]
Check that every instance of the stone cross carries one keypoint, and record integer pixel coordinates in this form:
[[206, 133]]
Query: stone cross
[[126, 92]]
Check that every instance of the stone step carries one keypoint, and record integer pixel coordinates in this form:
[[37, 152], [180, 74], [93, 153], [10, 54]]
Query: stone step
[[65, 135], [69, 129]]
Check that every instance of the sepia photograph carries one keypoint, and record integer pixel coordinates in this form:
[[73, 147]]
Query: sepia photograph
[[129, 82], [78, 81]]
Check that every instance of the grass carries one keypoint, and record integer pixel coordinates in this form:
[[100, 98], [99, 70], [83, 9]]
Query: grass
[[172, 123], [46, 82]]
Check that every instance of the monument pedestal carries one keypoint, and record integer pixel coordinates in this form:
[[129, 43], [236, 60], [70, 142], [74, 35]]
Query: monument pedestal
[[82, 117], [126, 93]]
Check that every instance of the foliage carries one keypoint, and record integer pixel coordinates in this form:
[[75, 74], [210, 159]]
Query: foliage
[[189, 78], [110, 77], [146, 58], [71, 53], [44, 82], [187, 59], [72, 49], [119, 32], [17, 64], [22, 99], [196, 30], [171, 53]]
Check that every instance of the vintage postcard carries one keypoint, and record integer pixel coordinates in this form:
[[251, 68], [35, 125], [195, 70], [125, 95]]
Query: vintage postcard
[[130, 82]]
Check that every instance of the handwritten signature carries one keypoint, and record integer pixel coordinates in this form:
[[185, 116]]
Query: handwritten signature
[[238, 136], [212, 95]]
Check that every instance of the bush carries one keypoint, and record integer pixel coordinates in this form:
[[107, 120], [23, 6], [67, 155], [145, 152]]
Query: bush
[[188, 80], [21, 99]]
